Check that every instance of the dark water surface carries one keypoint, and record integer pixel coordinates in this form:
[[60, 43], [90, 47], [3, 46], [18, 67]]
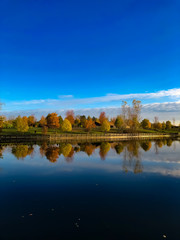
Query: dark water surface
[[125, 190]]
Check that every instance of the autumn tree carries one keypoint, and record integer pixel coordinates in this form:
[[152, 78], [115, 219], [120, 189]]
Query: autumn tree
[[31, 121], [119, 122], [159, 126], [163, 126], [134, 114], [43, 121], [124, 110], [77, 121], [70, 116], [22, 124], [44, 130], [102, 117], [2, 121], [168, 125], [66, 126], [155, 122], [89, 124], [145, 124], [83, 120], [7, 123], [52, 120], [105, 127]]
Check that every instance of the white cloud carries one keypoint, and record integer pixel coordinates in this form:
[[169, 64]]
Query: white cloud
[[66, 100], [164, 111], [65, 96]]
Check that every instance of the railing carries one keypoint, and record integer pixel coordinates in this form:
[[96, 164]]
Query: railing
[[85, 136]]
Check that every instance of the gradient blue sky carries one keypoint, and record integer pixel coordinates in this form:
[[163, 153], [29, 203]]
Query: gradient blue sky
[[87, 49]]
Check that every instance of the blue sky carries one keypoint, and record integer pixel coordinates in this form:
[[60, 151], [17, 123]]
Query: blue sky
[[71, 51]]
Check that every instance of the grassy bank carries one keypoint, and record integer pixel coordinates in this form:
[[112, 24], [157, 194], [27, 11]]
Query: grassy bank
[[34, 131]]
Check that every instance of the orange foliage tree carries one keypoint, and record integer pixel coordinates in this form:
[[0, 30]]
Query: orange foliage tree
[[102, 117], [31, 120], [70, 116], [43, 121], [89, 124], [53, 120]]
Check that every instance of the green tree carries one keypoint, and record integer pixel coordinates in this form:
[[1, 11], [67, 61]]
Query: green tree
[[163, 126], [145, 124], [66, 126], [119, 122], [168, 125], [60, 120], [22, 124], [105, 127], [83, 120], [159, 126], [2, 121]]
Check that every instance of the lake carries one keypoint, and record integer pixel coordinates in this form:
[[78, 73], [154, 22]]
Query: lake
[[103, 190]]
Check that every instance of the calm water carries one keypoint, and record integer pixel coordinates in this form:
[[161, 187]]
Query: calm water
[[126, 190]]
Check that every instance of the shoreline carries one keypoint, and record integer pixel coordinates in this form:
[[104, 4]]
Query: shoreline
[[87, 137]]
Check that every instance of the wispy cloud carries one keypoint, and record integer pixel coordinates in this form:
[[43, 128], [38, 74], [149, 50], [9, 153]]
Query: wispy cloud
[[163, 111], [68, 100], [65, 96]]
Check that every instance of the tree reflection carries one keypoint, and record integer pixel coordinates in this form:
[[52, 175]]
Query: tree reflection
[[1, 151], [169, 142], [43, 149], [52, 153], [146, 146], [21, 151], [65, 149], [89, 149], [131, 151], [70, 156], [132, 158], [119, 148], [104, 149]]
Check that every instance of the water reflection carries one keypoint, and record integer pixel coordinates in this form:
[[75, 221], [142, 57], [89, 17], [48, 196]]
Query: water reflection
[[130, 153], [22, 151], [90, 185]]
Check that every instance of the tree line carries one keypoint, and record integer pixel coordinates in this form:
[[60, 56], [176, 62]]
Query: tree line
[[128, 120]]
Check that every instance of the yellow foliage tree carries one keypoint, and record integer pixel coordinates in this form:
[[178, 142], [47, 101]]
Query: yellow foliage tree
[[22, 124], [105, 127], [66, 126]]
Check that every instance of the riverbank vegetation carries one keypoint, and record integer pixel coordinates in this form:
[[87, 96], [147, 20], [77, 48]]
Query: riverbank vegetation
[[129, 121]]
